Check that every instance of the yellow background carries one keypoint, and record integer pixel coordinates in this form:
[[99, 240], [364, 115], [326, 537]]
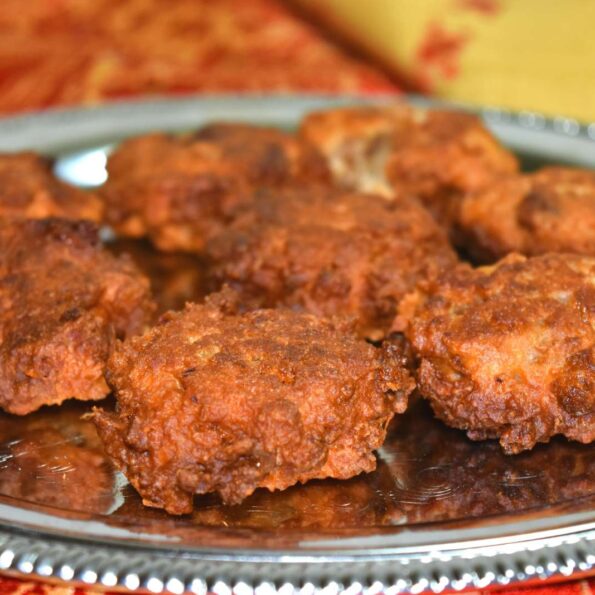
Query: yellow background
[[531, 54]]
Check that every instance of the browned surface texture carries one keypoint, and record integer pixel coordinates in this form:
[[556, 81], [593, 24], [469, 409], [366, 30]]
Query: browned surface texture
[[178, 190], [213, 401], [29, 189], [63, 300], [447, 155], [552, 210], [435, 155], [507, 351], [357, 142], [330, 252]]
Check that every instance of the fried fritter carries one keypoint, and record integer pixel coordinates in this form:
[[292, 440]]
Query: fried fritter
[[552, 210], [28, 189], [357, 142], [63, 300], [437, 156], [214, 401], [177, 190], [330, 252], [508, 351]]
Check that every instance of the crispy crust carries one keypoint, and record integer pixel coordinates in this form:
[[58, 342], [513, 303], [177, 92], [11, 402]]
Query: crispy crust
[[437, 156], [447, 155], [29, 189], [63, 301], [357, 141], [330, 252], [178, 190], [552, 210], [214, 401], [508, 351]]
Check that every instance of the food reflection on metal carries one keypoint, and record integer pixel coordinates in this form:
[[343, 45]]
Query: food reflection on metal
[[54, 458], [426, 472]]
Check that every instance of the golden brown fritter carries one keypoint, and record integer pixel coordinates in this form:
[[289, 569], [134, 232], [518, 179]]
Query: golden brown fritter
[[552, 210], [330, 252], [357, 142], [63, 300], [214, 401], [437, 156], [177, 190], [28, 189], [508, 351], [446, 155]]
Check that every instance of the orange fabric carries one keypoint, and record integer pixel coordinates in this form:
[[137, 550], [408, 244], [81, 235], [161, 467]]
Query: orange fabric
[[65, 52]]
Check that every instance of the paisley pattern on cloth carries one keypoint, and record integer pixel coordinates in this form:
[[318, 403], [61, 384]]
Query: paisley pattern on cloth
[[72, 52]]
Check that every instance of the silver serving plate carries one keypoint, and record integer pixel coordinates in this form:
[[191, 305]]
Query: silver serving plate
[[440, 514]]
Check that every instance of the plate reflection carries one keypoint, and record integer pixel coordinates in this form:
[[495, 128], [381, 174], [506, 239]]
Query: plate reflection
[[426, 471]]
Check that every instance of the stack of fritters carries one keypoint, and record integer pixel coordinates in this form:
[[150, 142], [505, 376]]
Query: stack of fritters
[[330, 252], [321, 243]]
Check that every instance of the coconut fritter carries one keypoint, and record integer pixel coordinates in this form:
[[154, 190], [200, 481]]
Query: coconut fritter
[[330, 252], [447, 155], [552, 210], [28, 189], [508, 351], [214, 401], [63, 300], [437, 156], [177, 190], [357, 142]]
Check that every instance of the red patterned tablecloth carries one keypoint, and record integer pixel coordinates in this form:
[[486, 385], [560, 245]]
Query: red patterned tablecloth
[[68, 52], [72, 52]]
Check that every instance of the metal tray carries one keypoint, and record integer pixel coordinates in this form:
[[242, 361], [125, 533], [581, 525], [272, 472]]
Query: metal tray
[[440, 513]]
